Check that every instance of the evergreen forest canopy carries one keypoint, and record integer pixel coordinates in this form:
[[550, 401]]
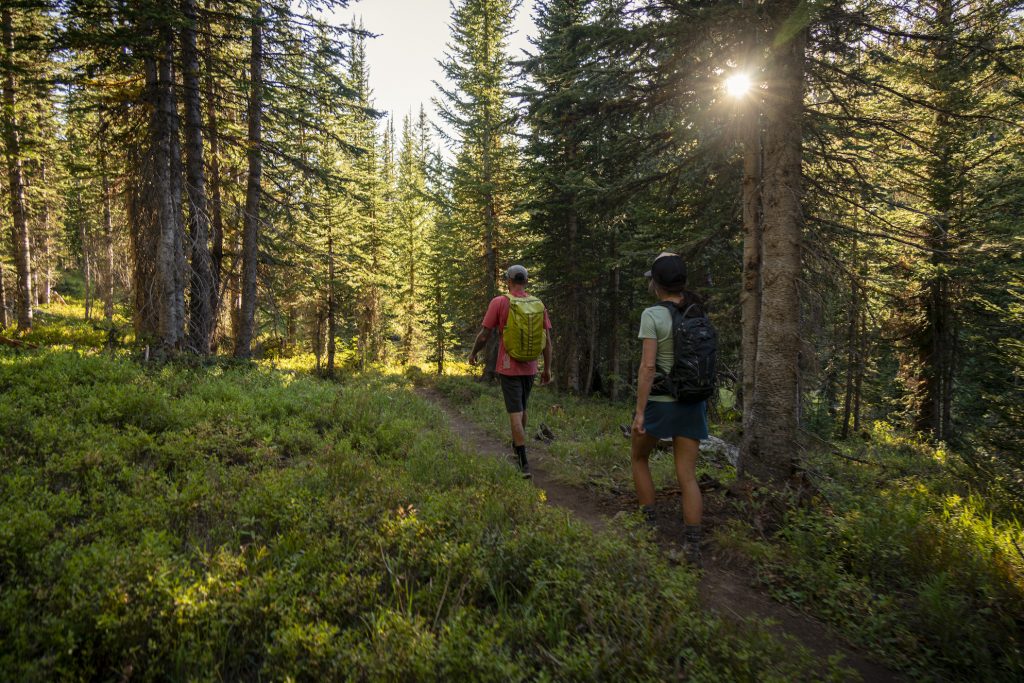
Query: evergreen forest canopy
[[216, 169]]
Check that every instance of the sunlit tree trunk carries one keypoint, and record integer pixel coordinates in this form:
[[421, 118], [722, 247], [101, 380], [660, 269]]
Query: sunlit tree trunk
[[770, 444]]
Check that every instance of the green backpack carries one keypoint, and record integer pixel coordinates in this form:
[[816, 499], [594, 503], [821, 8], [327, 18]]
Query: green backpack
[[524, 335]]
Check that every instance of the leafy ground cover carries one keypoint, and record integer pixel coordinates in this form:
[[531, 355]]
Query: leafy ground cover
[[235, 522], [896, 551]]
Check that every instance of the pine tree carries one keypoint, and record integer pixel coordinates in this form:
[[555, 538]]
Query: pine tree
[[485, 181]]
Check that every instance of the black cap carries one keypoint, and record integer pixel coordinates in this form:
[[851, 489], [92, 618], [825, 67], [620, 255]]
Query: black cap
[[668, 272]]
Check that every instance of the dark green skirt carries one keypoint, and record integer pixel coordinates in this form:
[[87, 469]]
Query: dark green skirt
[[664, 420]]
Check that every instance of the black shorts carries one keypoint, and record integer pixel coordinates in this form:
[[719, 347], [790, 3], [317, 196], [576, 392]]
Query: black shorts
[[516, 390]]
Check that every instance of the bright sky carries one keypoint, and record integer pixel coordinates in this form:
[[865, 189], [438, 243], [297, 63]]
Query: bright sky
[[413, 35]]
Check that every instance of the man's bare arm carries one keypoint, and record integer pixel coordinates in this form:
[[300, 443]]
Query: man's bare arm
[[481, 339]]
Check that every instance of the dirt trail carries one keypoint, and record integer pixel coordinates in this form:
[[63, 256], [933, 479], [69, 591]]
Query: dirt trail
[[727, 592]]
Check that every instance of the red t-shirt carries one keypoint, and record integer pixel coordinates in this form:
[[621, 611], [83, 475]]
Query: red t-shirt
[[495, 318]]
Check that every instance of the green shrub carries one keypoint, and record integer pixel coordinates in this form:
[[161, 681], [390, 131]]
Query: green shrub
[[233, 522]]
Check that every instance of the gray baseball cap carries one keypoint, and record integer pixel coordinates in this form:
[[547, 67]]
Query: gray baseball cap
[[516, 273]]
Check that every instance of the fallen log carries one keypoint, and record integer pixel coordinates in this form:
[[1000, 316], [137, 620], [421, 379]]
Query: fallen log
[[17, 343]]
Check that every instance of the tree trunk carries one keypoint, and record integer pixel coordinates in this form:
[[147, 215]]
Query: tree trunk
[[615, 377], [770, 445], [4, 321], [83, 237], [43, 294], [21, 245], [750, 295], [202, 288], [251, 224], [936, 339], [108, 239], [216, 207], [572, 316], [170, 244], [439, 330], [332, 329]]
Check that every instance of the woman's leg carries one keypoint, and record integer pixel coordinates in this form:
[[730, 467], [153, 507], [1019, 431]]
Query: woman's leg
[[686, 451], [640, 448]]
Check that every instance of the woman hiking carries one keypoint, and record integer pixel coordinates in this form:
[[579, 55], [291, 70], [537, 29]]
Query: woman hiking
[[661, 416]]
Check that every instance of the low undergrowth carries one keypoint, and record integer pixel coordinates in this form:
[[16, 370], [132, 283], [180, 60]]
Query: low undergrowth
[[896, 551], [234, 522]]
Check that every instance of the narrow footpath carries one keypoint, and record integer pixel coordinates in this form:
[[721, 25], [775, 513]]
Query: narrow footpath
[[725, 591]]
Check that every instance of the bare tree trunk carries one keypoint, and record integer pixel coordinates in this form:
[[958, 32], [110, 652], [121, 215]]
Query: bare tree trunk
[[750, 295], [12, 146], [613, 333], [216, 205], [108, 239], [167, 181], [573, 318], [43, 295], [936, 339], [202, 288], [438, 331], [4, 321], [83, 237], [331, 308], [862, 352], [769, 446], [251, 225]]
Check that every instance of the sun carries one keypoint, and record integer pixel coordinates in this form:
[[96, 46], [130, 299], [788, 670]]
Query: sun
[[737, 85]]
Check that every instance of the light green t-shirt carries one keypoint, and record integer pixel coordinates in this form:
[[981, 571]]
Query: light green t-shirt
[[656, 323]]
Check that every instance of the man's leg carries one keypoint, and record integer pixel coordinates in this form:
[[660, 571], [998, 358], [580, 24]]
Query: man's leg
[[515, 392], [518, 423]]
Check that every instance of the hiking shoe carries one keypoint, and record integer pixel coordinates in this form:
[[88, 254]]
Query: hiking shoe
[[691, 553], [524, 469], [650, 516]]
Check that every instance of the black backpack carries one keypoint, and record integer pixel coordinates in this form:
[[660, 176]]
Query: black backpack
[[695, 352]]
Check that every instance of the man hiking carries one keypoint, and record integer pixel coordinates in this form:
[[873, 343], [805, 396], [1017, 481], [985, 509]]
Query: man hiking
[[525, 334]]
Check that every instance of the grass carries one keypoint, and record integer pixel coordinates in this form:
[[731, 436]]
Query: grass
[[897, 551], [232, 521]]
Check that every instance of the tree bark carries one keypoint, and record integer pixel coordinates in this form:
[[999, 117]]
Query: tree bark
[[332, 330], [936, 339], [108, 239], [216, 204], [202, 288], [251, 221], [615, 377], [4, 321], [83, 237], [21, 245], [750, 295], [770, 445]]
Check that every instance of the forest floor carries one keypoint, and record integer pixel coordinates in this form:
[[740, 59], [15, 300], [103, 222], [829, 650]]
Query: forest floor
[[724, 588]]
